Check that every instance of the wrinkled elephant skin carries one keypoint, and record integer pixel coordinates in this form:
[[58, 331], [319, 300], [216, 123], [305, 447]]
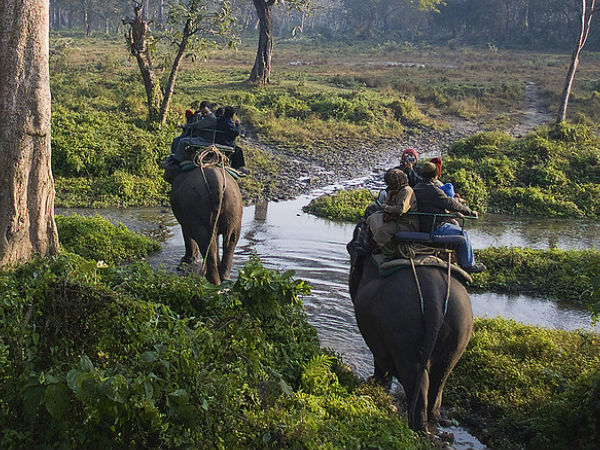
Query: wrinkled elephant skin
[[198, 197], [419, 350]]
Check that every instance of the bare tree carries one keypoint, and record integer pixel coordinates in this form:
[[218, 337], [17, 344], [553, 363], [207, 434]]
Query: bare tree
[[27, 225], [587, 10], [202, 24], [261, 71]]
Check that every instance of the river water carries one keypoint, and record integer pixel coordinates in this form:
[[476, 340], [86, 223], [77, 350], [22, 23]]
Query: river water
[[285, 238]]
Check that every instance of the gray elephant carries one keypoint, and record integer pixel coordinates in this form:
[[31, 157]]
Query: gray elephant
[[198, 198], [419, 349]]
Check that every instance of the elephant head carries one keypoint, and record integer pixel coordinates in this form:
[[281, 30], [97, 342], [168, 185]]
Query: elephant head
[[207, 203], [410, 335]]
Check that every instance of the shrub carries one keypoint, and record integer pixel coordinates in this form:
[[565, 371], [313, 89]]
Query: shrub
[[346, 206], [563, 275], [526, 386], [89, 361], [482, 145], [96, 238]]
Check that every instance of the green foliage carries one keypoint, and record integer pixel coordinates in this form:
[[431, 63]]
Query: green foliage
[[529, 387], [348, 206], [125, 357], [482, 145], [563, 275], [96, 238], [552, 173]]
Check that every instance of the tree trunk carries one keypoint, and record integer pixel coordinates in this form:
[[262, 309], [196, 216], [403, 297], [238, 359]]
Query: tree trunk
[[138, 45], [86, 19], [27, 226], [261, 72], [585, 22], [161, 12], [164, 109]]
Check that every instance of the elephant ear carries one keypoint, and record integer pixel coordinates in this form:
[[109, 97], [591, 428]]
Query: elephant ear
[[171, 170]]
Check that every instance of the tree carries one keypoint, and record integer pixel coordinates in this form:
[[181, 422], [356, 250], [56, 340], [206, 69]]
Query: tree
[[201, 23], [27, 226], [261, 71], [587, 10]]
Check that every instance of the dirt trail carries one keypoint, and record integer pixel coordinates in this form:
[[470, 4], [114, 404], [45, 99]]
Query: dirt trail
[[535, 111], [323, 163]]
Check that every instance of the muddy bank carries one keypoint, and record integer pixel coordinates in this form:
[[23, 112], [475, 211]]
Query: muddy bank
[[302, 170]]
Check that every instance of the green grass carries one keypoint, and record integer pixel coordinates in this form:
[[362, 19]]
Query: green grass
[[96, 238], [523, 387], [346, 92], [343, 206]]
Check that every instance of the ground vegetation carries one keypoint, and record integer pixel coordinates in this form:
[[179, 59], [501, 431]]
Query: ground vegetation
[[523, 387], [96, 238], [122, 357]]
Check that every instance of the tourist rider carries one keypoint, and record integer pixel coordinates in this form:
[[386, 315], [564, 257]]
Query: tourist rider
[[198, 132], [408, 164], [431, 199], [229, 128], [448, 188], [392, 217]]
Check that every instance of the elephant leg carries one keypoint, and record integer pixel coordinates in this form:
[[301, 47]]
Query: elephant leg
[[381, 376], [437, 381], [208, 248], [441, 368], [192, 255], [417, 401], [229, 242], [211, 259]]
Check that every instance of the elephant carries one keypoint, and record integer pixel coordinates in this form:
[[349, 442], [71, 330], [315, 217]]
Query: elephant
[[417, 347], [198, 197]]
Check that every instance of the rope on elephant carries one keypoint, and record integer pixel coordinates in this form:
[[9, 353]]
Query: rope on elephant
[[414, 270], [409, 250], [212, 157]]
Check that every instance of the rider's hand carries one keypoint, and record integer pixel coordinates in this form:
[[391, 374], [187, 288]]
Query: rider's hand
[[460, 215], [475, 214]]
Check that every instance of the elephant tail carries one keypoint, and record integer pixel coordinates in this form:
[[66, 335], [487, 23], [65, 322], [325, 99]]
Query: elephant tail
[[433, 318]]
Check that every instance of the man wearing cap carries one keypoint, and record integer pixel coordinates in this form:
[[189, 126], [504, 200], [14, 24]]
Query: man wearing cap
[[431, 199], [408, 161]]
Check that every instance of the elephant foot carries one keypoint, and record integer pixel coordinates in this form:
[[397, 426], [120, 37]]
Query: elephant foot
[[187, 265], [384, 382], [434, 416], [184, 266]]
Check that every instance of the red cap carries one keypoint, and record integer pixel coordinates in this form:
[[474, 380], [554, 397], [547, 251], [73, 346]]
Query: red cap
[[438, 162], [410, 151], [189, 113]]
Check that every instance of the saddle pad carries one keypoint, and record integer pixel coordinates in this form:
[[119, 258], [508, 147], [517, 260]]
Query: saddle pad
[[388, 267]]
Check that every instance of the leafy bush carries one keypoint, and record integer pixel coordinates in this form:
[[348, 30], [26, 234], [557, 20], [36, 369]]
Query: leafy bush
[[553, 172], [528, 387], [109, 357], [563, 275], [96, 238], [482, 145], [348, 206]]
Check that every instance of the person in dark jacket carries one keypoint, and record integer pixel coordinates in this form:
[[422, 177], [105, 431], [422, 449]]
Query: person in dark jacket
[[431, 199], [229, 128], [199, 131], [408, 165]]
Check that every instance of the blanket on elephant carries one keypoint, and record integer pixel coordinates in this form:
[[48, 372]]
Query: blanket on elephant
[[387, 267]]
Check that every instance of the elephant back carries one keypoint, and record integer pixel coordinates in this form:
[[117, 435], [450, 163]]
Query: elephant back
[[207, 190]]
